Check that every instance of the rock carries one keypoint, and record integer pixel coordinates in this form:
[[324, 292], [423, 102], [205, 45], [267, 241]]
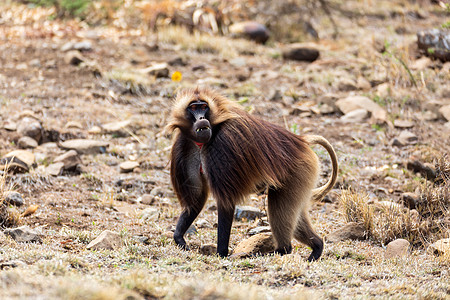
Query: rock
[[147, 199], [445, 111], [363, 84], [12, 264], [326, 109], [397, 249], [10, 125], [251, 30], [117, 128], [247, 212], [55, 169], [150, 214], [403, 123], [73, 124], [158, 70], [410, 200], [95, 130], [142, 239], [429, 116], [351, 231], [346, 85], [209, 249], [421, 64], [24, 234], [128, 166], [81, 46], [202, 223], [70, 160], [18, 161], [383, 90], [259, 229], [85, 146], [352, 103], [74, 58], [258, 244], [441, 247], [30, 210], [13, 198], [355, 116], [426, 170], [191, 230], [107, 240], [435, 43], [177, 61], [27, 142], [30, 127], [405, 138], [300, 52]]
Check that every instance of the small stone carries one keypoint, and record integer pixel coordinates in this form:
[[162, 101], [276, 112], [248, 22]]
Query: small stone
[[74, 58], [258, 244], [55, 169], [351, 231], [128, 166], [405, 138], [95, 130], [158, 70], [247, 212], [147, 199], [346, 85], [13, 198], [142, 239], [24, 234], [31, 127], [209, 249], [421, 64], [397, 249], [26, 142], [10, 125], [150, 214], [73, 124], [410, 200], [383, 90], [352, 103], [108, 240], [426, 170], [363, 84], [117, 128], [259, 229], [326, 109], [30, 210], [300, 52], [70, 159], [355, 116], [191, 230], [177, 61], [435, 43], [18, 160], [202, 223], [85, 146], [439, 248], [403, 124], [12, 264], [445, 111], [429, 116], [83, 46], [251, 30]]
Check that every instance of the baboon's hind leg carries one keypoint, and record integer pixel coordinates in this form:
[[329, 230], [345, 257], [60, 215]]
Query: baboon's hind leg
[[305, 233]]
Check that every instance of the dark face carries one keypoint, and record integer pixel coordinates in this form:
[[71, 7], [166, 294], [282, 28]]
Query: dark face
[[198, 113]]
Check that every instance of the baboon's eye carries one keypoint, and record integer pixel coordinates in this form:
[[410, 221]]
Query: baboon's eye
[[195, 106]]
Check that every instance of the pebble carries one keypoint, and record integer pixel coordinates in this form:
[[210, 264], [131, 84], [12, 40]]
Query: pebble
[[397, 249], [258, 244], [128, 166], [247, 212], [250, 29], [31, 127], [85, 146], [24, 234], [70, 159], [300, 52], [13, 198], [440, 247], [108, 240], [351, 231], [26, 142]]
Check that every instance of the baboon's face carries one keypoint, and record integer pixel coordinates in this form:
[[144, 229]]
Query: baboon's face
[[199, 114]]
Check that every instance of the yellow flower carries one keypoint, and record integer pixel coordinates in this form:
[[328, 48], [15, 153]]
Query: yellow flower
[[176, 76]]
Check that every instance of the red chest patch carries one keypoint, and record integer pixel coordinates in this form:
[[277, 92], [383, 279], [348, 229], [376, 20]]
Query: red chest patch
[[200, 145]]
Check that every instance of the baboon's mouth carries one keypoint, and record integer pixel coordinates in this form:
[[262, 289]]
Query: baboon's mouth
[[202, 129]]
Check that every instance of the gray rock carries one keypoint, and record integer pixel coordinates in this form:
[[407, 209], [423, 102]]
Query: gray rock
[[108, 240], [435, 43], [421, 63], [30, 127], [326, 109], [445, 111], [426, 170], [24, 234], [405, 138], [259, 229], [150, 214], [403, 124], [441, 247], [346, 85], [355, 116], [247, 212], [258, 244], [85, 146], [117, 128], [397, 249], [10, 125], [13, 198], [147, 199], [128, 166], [55, 169], [74, 58], [251, 30], [18, 161], [70, 159], [300, 52], [158, 70], [202, 223], [351, 231], [27, 142], [351, 103]]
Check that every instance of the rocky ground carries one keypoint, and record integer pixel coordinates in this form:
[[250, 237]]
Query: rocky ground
[[81, 127]]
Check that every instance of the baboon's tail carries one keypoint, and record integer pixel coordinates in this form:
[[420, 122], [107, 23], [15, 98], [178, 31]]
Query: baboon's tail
[[319, 193]]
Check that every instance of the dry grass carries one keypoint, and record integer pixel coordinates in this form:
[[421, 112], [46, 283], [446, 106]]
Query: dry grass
[[9, 216]]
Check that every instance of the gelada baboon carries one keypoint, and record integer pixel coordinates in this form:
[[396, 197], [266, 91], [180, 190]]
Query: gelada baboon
[[221, 148]]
